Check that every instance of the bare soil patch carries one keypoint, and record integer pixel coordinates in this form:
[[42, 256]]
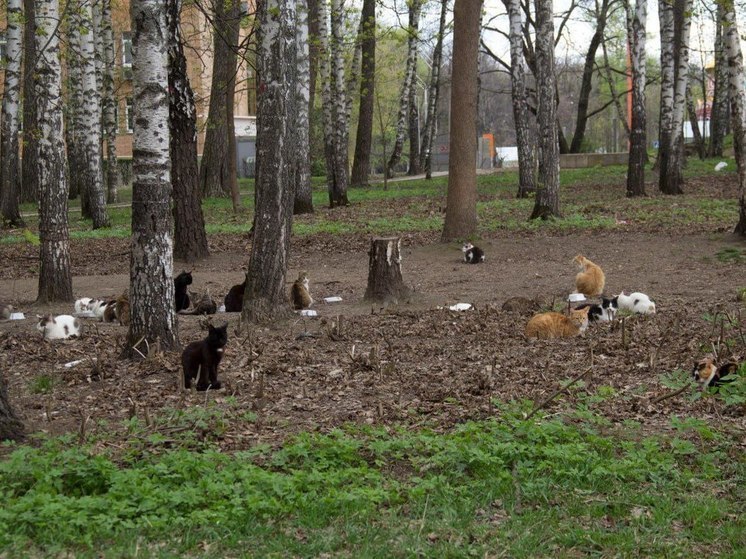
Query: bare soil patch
[[411, 364]]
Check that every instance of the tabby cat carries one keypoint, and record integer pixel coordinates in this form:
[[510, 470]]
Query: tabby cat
[[557, 325]]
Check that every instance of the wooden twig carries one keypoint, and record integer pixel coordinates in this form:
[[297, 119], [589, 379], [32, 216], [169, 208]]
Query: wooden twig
[[671, 394], [557, 393]]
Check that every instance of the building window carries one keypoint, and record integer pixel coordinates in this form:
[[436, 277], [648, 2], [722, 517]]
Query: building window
[[3, 46], [129, 114], [126, 49]]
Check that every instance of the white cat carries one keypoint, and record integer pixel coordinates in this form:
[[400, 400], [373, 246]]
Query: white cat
[[58, 328], [83, 304], [636, 302]]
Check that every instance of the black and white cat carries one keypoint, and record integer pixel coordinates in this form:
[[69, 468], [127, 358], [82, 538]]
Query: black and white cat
[[605, 312], [201, 359], [472, 254]]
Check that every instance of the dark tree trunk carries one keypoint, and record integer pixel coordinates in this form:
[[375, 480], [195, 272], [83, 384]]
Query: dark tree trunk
[[694, 122], [153, 324], [217, 171], [55, 278], [190, 239], [30, 179], [547, 202], [314, 130], [11, 428], [720, 99], [414, 130], [431, 121], [461, 201], [385, 284], [637, 139], [265, 297], [364, 137], [303, 194]]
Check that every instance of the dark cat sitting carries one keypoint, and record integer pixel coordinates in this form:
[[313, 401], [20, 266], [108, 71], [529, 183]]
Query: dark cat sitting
[[605, 312], [181, 297], [201, 359], [472, 254], [234, 299]]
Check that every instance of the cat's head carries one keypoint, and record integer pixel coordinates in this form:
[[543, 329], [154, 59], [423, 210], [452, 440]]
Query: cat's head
[[580, 260], [217, 336], [704, 370], [610, 307], [579, 317], [467, 247], [303, 278], [184, 278], [43, 321]]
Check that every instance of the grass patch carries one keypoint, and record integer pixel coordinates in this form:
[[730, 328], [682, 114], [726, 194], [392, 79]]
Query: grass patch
[[42, 384], [731, 254], [543, 488]]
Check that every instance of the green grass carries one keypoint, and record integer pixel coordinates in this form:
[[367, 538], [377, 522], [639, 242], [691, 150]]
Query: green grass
[[546, 488]]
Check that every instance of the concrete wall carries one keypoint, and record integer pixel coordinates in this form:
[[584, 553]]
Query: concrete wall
[[580, 160]]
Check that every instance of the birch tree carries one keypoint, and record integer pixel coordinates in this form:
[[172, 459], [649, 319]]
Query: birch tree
[[55, 278], [331, 70], [303, 196], [10, 186], [461, 200], [636, 20], [547, 203], [88, 117], [677, 61], [415, 7], [737, 96], [218, 168], [109, 102], [519, 96], [265, 297], [29, 159], [720, 98], [364, 136], [666, 20], [190, 238], [152, 317]]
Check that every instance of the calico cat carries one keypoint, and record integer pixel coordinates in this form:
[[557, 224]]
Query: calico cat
[[201, 359], [605, 312], [204, 305], [299, 293], [591, 280], [472, 254], [556, 325], [234, 299], [636, 302], [181, 297], [708, 374], [58, 328]]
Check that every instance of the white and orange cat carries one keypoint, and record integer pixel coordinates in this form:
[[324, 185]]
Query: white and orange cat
[[591, 280], [557, 325]]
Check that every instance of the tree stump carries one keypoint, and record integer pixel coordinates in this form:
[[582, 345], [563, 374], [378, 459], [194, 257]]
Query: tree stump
[[385, 282], [11, 427]]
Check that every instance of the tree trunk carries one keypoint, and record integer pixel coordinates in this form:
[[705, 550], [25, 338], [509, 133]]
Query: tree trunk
[[414, 128], [30, 179], [694, 121], [265, 297], [637, 139], [720, 101], [415, 6], [385, 284], [737, 95], [586, 84], [153, 322], [431, 120], [670, 178], [11, 428], [302, 196], [665, 15], [190, 239], [109, 103], [55, 278], [364, 137], [461, 201], [216, 178], [88, 118], [526, 161], [547, 204], [10, 186], [75, 98]]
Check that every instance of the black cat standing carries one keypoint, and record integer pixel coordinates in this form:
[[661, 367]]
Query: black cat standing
[[202, 358]]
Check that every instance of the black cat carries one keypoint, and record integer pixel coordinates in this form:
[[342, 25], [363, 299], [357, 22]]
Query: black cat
[[472, 254], [605, 312], [181, 299], [234, 299], [201, 359]]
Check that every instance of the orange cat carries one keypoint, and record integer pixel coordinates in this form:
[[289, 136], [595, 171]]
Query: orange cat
[[590, 282], [557, 325]]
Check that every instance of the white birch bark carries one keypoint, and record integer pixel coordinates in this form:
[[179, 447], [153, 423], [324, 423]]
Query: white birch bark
[[108, 103], [409, 75], [431, 120], [665, 16], [302, 201], [88, 117], [737, 95], [341, 92], [55, 278], [10, 186], [636, 21], [152, 315]]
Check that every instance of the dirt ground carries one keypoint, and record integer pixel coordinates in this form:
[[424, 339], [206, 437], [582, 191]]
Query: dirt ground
[[412, 363]]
